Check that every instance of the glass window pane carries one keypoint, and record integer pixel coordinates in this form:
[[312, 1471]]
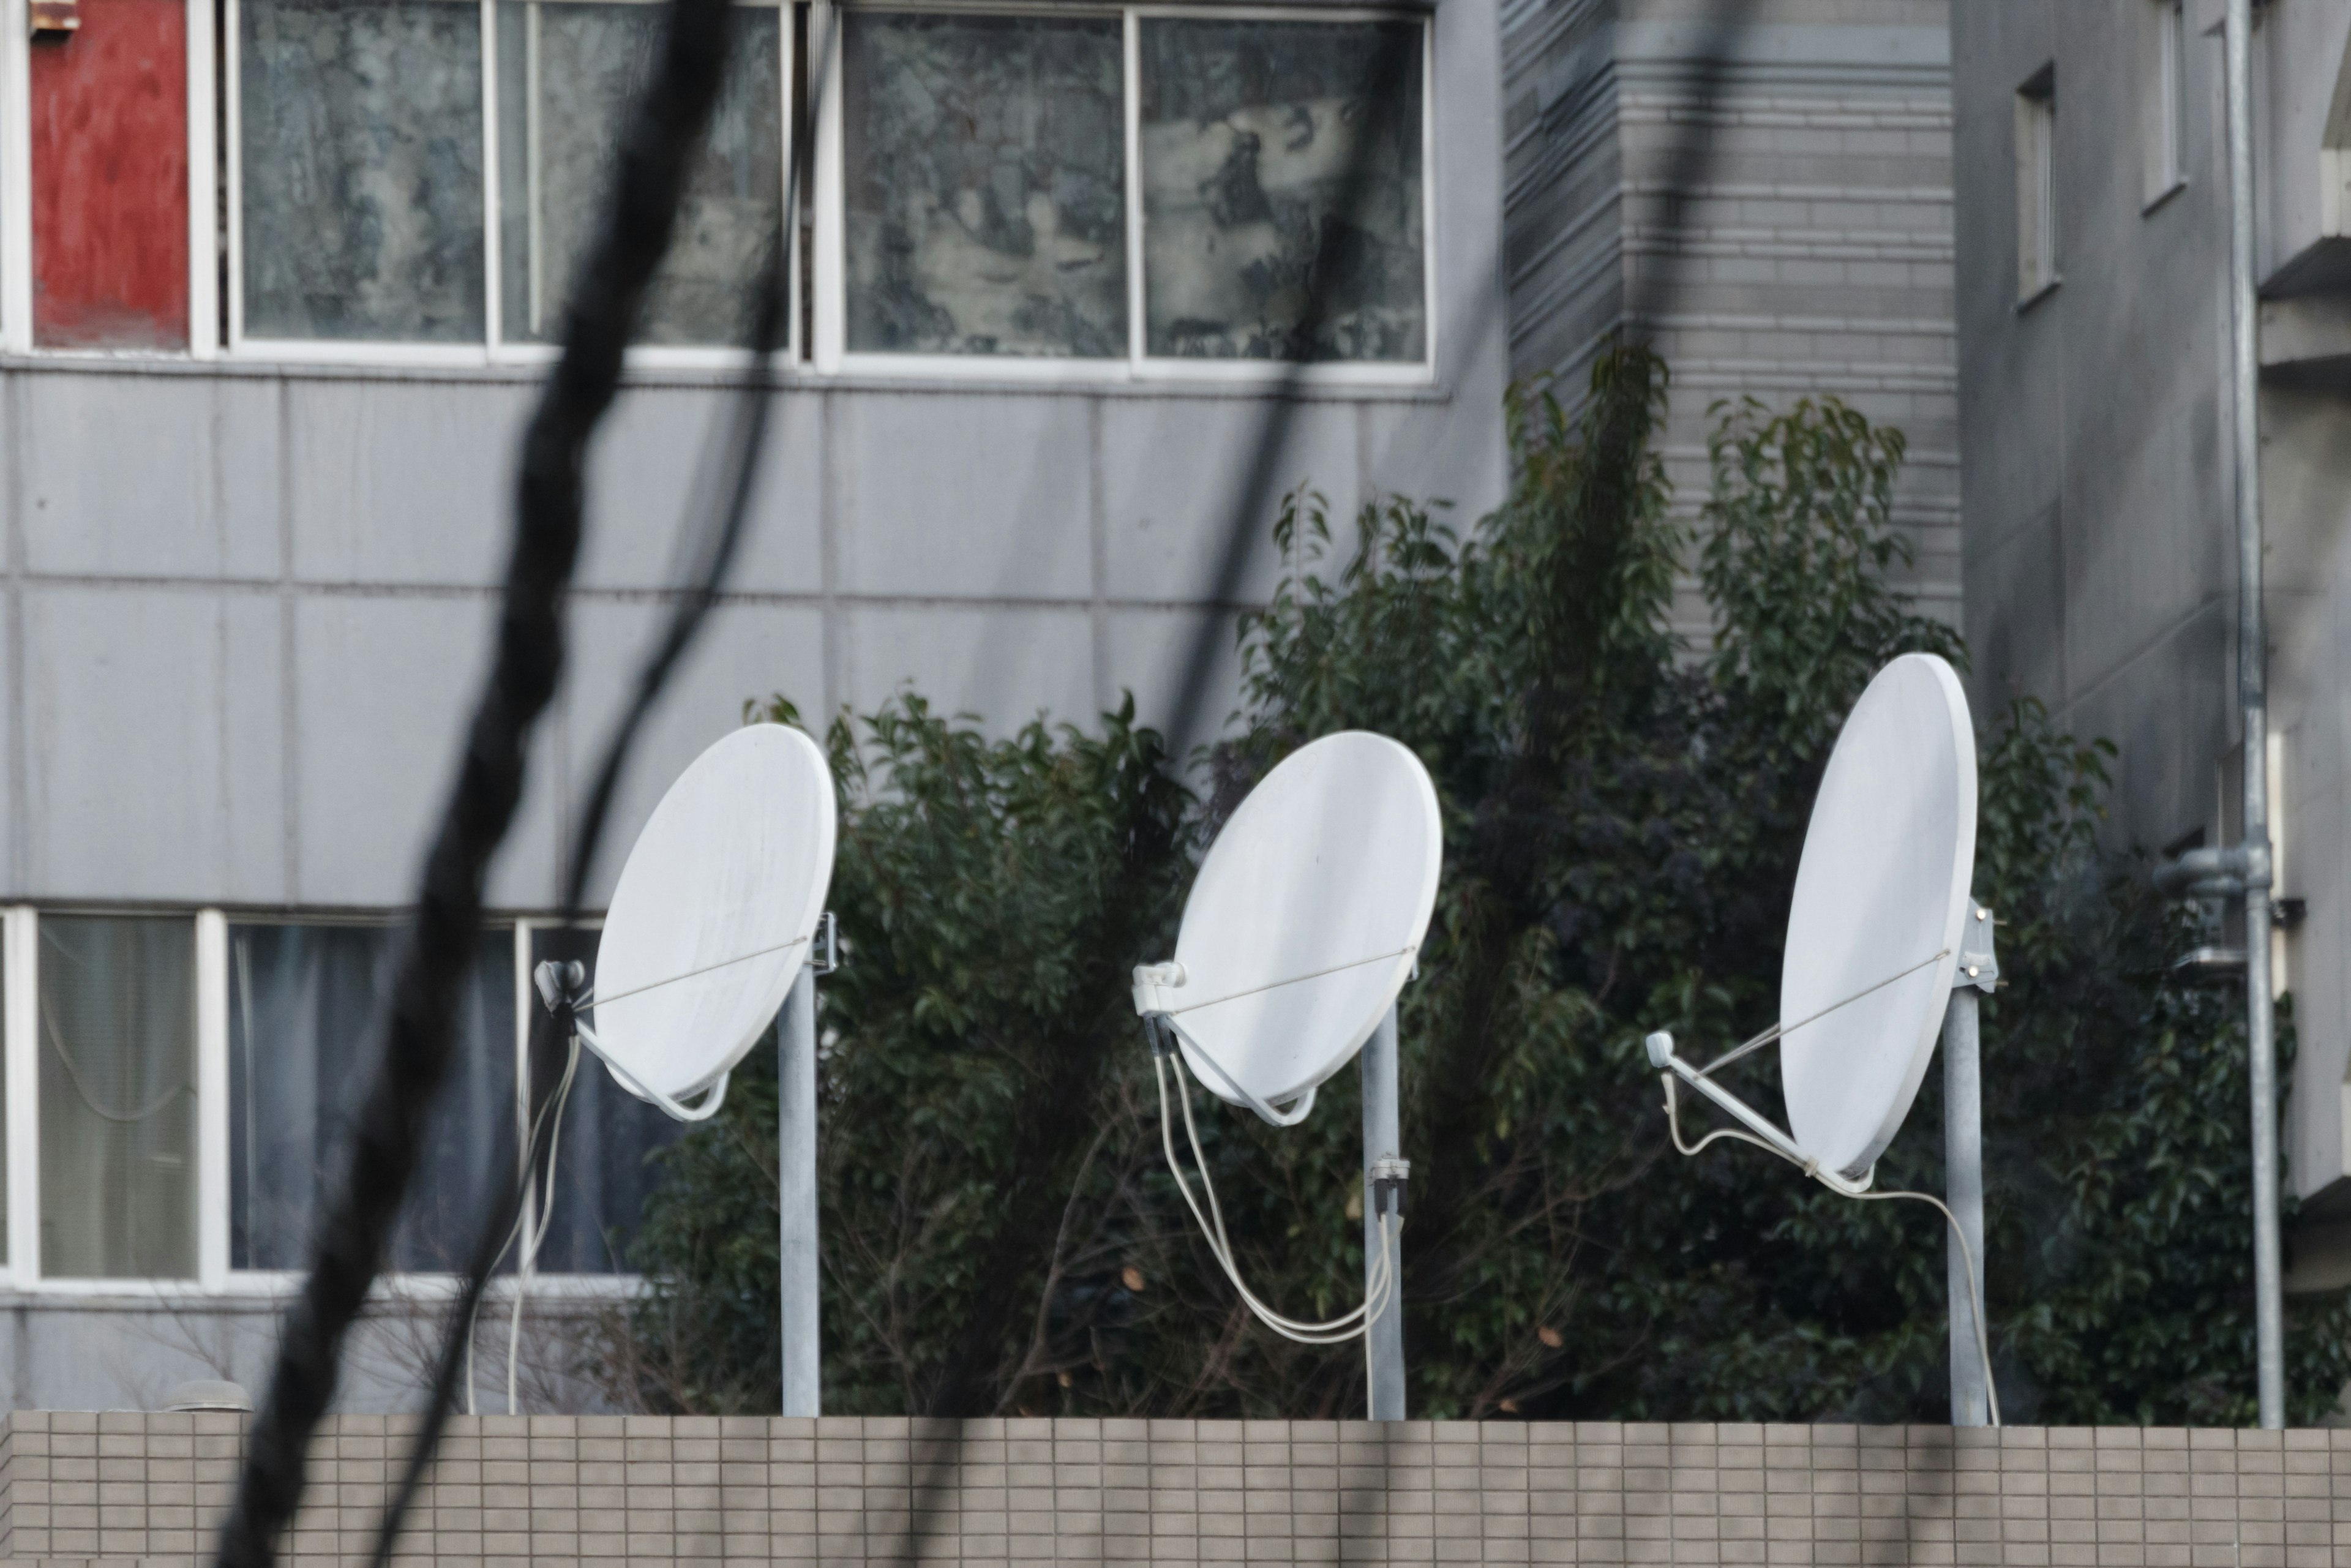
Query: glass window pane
[[302, 1048], [361, 163], [567, 76], [603, 1166], [1251, 131], [986, 184], [118, 1052]]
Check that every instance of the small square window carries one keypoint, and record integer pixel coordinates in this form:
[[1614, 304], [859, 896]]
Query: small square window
[[2036, 185], [360, 166], [985, 196], [2164, 113], [1255, 246]]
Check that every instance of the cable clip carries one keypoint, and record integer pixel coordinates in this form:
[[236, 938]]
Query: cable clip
[[1388, 1177]]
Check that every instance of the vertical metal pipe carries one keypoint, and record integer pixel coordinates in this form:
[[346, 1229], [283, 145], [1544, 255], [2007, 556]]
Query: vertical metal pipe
[[795, 1193], [1383, 1341], [2253, 690], [1963, 1190]]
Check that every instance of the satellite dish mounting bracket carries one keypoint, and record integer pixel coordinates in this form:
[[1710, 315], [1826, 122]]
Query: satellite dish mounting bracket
[[1661, 1057], [1152, 984]]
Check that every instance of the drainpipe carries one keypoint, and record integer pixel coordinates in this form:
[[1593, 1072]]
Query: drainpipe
[[2253, 690]]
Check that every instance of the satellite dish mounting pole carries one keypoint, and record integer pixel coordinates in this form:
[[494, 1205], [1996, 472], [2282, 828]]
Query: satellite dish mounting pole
[[802, 1353], [1383, 1336], [1977, 972]]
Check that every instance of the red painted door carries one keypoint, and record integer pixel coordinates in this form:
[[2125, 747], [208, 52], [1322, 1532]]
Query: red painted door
[[109, 109]]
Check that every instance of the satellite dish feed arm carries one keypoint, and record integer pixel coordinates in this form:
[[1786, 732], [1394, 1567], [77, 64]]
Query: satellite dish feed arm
[[1670, 1067], [702, 1111], [1155, 1001]]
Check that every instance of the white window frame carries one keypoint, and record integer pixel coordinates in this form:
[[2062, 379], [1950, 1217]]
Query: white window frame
[[20, 1063], [832, 355]]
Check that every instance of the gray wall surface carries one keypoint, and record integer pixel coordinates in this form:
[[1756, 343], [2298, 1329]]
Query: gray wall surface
[[1810, 253], [247, 604], [248, 608], [2100, 520], [116, 1489]]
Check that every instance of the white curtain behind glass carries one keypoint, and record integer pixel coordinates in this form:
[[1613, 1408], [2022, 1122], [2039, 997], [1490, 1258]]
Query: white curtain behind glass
[[118, 1054], [302, 1045]]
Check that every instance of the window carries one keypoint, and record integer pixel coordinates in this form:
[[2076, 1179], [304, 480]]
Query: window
[[567, 74], [118, 1103], [1093, 190], [300, 1000], [2036, 192], [366, 136], [1252, 135], [186, 1086], [2163, 114], [1139, 189]]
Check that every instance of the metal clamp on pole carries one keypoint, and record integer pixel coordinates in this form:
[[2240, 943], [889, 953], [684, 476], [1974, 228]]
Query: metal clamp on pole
[[1389, 1177]]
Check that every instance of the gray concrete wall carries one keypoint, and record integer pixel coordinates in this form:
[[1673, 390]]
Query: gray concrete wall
[[1812, 251], [2099, 486], [247, 607], [116, 1489]]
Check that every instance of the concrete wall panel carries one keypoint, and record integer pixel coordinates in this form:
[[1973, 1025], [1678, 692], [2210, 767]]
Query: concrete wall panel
[[965, 497], [642, 475], [402, 481], [151, 763], [1174, 472], [149, 477], [383, 687]]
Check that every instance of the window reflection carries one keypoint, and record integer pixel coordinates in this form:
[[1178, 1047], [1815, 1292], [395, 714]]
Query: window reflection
[[362, 168], [568, 75], [986, 184], [1252, 132]]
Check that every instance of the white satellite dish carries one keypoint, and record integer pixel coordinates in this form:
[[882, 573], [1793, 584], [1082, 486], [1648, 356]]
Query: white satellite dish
[[710, 929], [1303, 923], [713, 917], [1878, 932], [1303, 926], [1881, 903]]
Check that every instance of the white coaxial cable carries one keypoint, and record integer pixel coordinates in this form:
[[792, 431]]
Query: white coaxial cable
[[1348, 1325]]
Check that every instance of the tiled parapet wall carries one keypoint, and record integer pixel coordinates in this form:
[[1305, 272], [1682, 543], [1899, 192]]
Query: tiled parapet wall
[[540, 1490]]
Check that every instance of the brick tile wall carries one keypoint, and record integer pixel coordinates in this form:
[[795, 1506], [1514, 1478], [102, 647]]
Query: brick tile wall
[[106, 1492]]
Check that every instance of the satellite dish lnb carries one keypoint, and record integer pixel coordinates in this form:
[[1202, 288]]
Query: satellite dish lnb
[[712, 918], [1303, 925]]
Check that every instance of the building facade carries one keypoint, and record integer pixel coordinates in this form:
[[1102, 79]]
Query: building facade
[[279, 279], [2099, 480], [1763, 188]]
